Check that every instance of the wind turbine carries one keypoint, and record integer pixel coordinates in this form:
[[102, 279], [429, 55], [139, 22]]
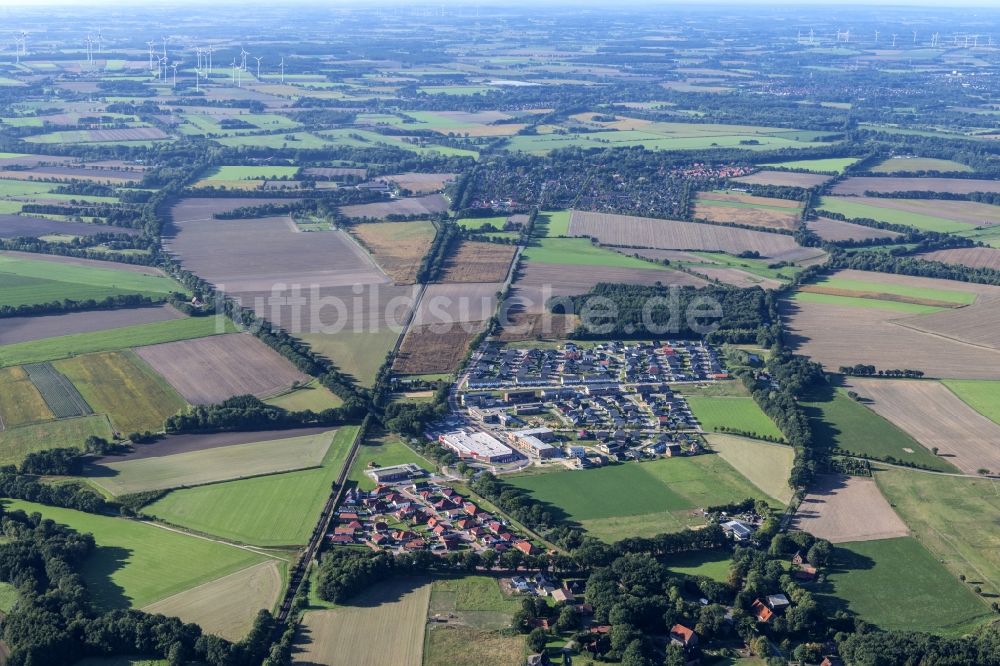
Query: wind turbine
[[282, 69], [914, 37], [151, 45], [175, 72], [234, 70], [243, 56], [164, 47], [258, 59], [100, 41], [876, 36]]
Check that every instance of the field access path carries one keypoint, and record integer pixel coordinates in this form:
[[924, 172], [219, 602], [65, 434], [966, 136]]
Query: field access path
[[297, 572]]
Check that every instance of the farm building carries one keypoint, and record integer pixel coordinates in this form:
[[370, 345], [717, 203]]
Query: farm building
[[477, 445]]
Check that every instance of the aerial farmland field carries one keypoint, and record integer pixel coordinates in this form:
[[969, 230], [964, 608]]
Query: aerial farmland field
[[17, 442], [253, 511], [208, 370], [63, 346], [628, 231], [29, 280], [183, 561], [615, 502], [867, 579], [224, 463]]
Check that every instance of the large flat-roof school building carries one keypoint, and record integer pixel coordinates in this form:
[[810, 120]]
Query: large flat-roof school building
[[478, 446]]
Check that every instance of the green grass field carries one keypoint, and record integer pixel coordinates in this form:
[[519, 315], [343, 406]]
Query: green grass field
[[983, 396], [712, 563], [552, 223], [757, 267], [640, 499], [852, 210], [876, 288], [359, 354], [946, 514], [259, 510], [124, 387], [907, 164], [117, 574], [768, 466], [313, 396], [829, 165], [8, 597], [27, 281], [580, 252], [476, 223], [225, 175], [894, 583], [383, 451], [222, 463], [857, 302], [743, 414], [64, 346], [15, 443], [839, 421]]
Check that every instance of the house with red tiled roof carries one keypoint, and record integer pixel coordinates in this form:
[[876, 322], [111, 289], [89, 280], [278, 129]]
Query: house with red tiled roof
[[525, 547], [471, 508], [681, 635], [761, 611]]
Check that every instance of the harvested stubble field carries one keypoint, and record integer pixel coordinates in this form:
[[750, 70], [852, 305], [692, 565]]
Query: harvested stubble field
[[974, 257], [198, 209], [98, 136], [63, 399], [430, 204], [226, 606], [933, 214], [783, 178], [736, 208], [209, 370], [15, 443], [391, 616], [767, 466], [25, 329], [843, 508], [222, 463], [957, 342], [93, 175], [937, 418], [526, 326], [426, 351], [538, 281], [645, 232], [977, 324], [170, 445], [736, 277], [20, 401], [475, 261], [835, 230], [858, 185], [121, 385], [443, 304], [335, 172], [398, 247], [14, 226], [420, 183], [837, 335]]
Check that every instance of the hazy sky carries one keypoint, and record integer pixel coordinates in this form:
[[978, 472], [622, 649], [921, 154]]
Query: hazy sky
[[561, 3]]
